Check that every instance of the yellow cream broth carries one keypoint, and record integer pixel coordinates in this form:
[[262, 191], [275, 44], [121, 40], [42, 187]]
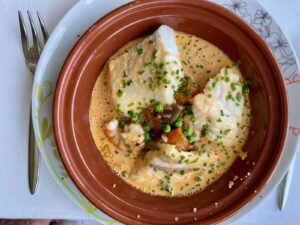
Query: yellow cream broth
[[201, 60]]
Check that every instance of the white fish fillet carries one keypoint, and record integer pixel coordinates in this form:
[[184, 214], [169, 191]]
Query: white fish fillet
[[148, 72], [216, 108]]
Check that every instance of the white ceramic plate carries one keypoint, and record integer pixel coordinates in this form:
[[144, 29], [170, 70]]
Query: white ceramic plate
[[65, 36]]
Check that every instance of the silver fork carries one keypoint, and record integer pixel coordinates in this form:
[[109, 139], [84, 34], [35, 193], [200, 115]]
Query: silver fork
[[32, 55]]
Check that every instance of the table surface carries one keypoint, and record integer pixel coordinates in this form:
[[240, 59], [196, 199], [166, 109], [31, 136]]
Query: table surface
[[15, 93]]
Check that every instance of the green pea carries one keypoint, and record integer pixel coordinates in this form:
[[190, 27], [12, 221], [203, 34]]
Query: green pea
[[192, 138], [187, 132], [147, 137], [121, 124], [133, 116], [179, 122], [124, 173], [159, 107], [147, 127], [166, 128]]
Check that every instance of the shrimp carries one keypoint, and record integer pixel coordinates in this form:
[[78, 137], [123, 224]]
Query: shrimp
[[112, 133], [129, 138]]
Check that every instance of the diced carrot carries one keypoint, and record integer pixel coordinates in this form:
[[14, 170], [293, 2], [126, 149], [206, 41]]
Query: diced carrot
[[175, 137]]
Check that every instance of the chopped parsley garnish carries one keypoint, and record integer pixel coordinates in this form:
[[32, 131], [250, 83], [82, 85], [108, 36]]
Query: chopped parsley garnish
[[141, 72], [155, 54], [226, 131], [120, 93], [197, 178], [139, 50], [190, 118], [125, 74], [245, 87], [237, 63], [185, 91], [222, 112], [124, 84], [245, 91], [226, 71], [119, 111], [157, 72], [229, 97], [181, 158], [129, 82], [187, 110], [233, 86], [238, 96], [205, 130]]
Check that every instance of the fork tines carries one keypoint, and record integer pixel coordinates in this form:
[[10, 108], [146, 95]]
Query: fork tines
[[32, 53]]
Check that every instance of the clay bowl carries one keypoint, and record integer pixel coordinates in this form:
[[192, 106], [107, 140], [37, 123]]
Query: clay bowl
[[72, 99]]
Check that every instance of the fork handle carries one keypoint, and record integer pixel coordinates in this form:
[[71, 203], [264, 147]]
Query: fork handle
[[33, 162]]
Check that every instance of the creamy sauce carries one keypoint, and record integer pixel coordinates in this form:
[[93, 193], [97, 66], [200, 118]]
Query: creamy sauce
[[201, 60]]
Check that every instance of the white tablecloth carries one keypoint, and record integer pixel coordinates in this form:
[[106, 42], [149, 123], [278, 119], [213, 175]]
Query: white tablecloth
[[15, 93]]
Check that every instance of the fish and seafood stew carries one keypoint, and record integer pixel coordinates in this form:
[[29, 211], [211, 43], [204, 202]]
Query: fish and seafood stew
[[170, 113]]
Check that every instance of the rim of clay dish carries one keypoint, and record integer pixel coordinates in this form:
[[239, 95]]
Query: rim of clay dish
[[65, 118]]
